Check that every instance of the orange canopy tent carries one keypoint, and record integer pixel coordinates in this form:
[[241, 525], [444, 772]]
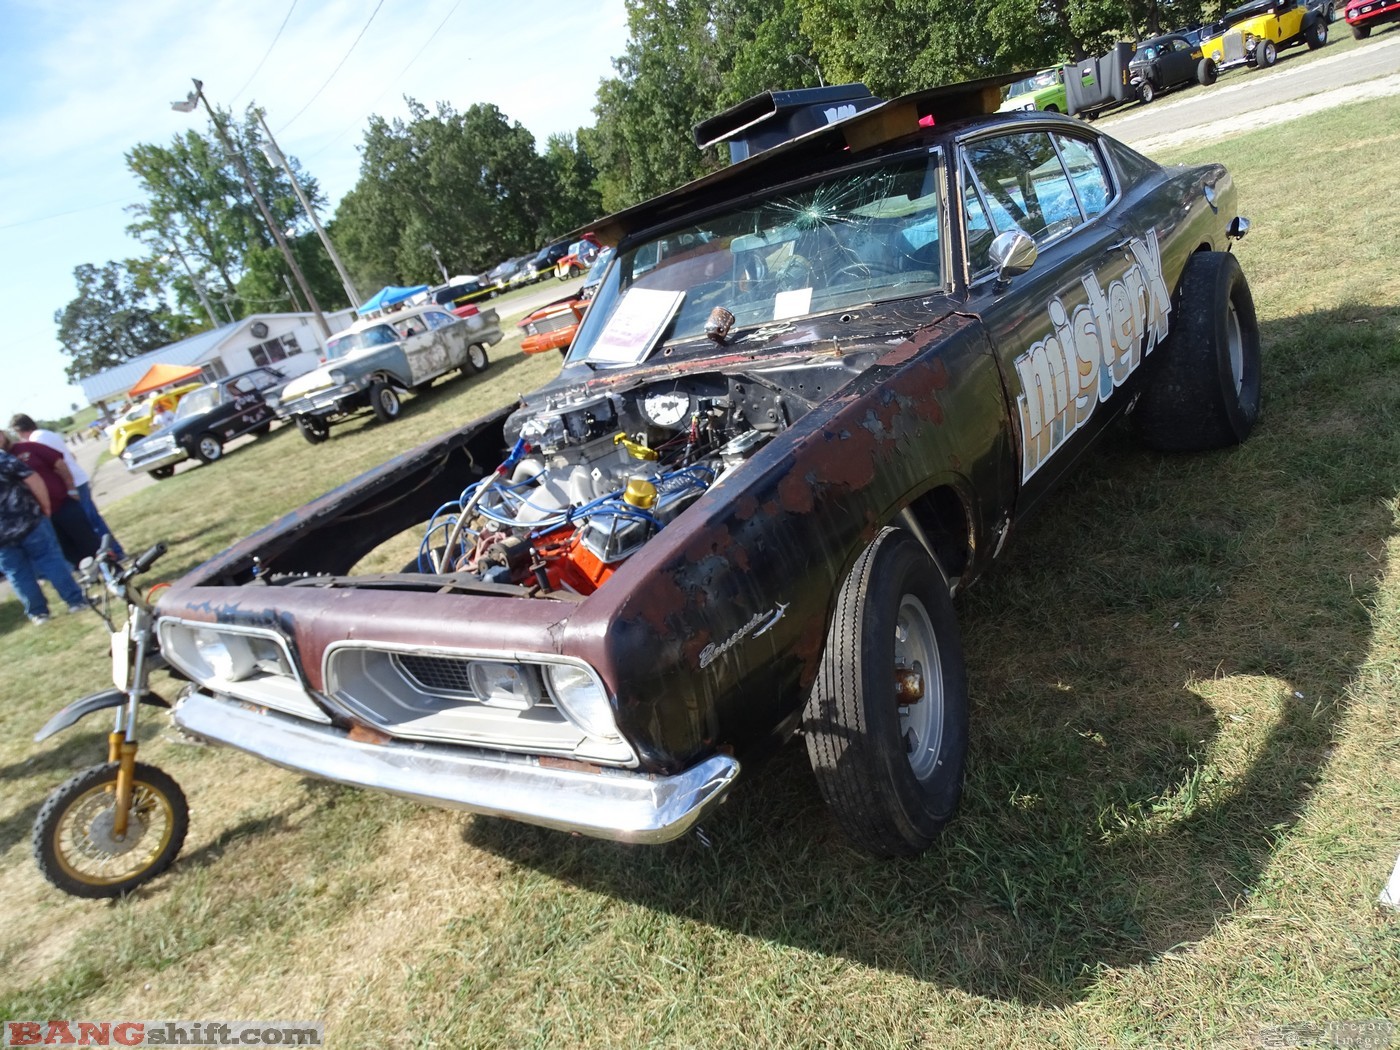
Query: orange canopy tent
[[158, 376]]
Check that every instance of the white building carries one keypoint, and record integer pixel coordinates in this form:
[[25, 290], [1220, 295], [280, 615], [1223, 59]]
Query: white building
[[291, 343]]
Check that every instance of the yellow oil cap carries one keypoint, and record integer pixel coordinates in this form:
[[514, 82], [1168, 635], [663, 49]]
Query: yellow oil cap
[[640, 493], [635, 449]]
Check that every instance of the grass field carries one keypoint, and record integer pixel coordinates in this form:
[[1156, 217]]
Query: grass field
[[1183, 793]]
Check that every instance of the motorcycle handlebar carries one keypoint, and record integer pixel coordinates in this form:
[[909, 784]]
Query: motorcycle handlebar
[[147, 558]]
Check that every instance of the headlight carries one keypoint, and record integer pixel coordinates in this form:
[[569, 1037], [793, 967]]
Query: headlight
[[498, 684], [252, 664], [581, 697], [338, 378]]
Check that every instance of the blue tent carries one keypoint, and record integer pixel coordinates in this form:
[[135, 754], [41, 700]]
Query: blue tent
[[388, 296]]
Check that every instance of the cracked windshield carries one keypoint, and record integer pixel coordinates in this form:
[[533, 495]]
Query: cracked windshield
[[827, 246]]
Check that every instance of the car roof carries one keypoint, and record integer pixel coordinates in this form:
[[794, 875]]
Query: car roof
[[830, 147]]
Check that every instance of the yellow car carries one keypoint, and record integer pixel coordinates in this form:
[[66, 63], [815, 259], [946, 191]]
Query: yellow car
[[1255, 33], [138, 421]]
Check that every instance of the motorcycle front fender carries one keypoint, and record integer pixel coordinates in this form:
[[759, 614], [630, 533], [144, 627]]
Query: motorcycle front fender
[[87, 705]]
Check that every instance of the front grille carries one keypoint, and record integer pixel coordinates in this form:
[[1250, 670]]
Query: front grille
[[555, 322], [437, 674]]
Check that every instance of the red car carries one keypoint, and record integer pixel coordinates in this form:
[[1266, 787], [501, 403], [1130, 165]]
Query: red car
[[552, 327], [1365, 15]]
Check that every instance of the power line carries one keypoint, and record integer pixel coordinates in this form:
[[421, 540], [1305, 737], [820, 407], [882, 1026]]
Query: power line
[[334, 71], [71, 211], [432, 38], [270, 46]]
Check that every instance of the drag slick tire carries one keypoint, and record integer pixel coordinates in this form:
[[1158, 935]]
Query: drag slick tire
[[1205, 392], [73, 842], [384, 399], [886, 721]]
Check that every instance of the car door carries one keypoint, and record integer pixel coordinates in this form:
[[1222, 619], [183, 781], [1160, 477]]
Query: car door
[[242, 409], [1071, 331], [454, 334], [1177, 63], [424, 352]]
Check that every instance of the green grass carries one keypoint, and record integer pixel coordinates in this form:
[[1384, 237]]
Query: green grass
[[1183, 793]]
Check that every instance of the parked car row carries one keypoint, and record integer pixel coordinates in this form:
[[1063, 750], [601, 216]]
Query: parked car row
[[368, 367]]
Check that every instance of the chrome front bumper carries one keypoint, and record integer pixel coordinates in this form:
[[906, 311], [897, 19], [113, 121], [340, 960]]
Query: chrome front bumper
[[611, 803], [137, 464]]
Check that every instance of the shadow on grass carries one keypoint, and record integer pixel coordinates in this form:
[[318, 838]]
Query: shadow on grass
[[1169, 618]]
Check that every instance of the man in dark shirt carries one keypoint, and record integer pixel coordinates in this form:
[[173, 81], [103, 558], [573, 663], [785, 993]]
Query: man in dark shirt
[[75, 534], [28, 546]]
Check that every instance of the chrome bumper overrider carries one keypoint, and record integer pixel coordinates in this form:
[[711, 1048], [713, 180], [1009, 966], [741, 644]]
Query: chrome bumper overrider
[[610, 804]]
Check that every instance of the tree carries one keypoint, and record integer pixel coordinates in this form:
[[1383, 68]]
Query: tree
[[468, 186], [112, 319]]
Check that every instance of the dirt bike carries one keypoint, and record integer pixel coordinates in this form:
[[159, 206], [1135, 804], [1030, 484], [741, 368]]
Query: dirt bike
[[114, 826]]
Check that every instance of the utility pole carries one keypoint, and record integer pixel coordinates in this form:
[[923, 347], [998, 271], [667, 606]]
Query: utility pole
[[275, 155], [198, 284], [187, 106]]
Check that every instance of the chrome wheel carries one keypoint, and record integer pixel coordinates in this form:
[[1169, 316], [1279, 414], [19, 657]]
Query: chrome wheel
[[918, 680]]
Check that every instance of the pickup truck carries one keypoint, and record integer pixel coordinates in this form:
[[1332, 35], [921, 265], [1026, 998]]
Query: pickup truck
[[814, 396]]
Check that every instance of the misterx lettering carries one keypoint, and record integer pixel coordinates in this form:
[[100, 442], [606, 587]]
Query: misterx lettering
[[1090, 351]]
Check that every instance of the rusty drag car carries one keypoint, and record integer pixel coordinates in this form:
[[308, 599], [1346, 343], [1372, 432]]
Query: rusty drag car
[[814, 395]]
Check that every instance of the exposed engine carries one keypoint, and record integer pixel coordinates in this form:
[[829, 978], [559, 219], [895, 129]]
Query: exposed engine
[[593, 477]]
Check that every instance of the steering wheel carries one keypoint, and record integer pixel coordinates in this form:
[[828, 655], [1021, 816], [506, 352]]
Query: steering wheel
[[795, 273], [862, 270]]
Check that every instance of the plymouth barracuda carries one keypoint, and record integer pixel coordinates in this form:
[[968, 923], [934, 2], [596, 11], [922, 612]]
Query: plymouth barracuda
[[811, 401], [375, 360]]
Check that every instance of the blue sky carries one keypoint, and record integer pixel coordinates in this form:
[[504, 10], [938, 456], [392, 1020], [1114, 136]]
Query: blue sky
[[81, 84]]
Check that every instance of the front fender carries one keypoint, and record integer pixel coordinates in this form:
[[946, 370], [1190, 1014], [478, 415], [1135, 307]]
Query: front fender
[[78, 709]]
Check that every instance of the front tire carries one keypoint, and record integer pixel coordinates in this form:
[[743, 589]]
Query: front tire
[[72, 839], [1360, 32], [886, 722], [1146, 92], [161, 473], [1206, 73], [208, 447], [1205, 393], [1316, 34], [313, 429], [385, 402], [1265, 55]]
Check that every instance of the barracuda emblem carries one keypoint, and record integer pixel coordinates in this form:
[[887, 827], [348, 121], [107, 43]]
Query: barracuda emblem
[[1092, 350], [761, 623]]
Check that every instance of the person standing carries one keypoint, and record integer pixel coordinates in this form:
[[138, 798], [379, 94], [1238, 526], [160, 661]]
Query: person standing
[[28, 430], [75, 534], [28, 546]]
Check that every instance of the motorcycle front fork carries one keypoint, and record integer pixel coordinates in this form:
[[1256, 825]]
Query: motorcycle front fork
[[121, 742]]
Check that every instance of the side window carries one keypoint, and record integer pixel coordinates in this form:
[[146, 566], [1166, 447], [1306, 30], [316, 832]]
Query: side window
[[1024, 185], [1086, 171], [438, 320], [978, 226]]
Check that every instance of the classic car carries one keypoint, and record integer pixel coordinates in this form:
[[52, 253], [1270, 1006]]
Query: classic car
[[207, 418], [1365, 15], [461, 291], [139, 420], [578, 259], [552, 327], [1167, 62], [812, 399], [376, 359], [1256, 32], [1045, 90]]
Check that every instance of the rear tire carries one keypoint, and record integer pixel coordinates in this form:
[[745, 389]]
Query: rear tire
[[1316, 34], [208, 448], [1206, 73], [385, 401], [892, 773], [477, 361], [313, 429], [1205, 393]]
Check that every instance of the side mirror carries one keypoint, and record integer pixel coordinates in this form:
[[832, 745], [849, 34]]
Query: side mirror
[[1012, 253]]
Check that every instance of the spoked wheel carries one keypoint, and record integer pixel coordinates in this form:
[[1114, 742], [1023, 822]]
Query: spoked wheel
[[74, 839], [314, 430], [886, 723]]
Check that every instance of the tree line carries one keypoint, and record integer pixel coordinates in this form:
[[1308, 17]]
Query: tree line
[[468, 189]]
